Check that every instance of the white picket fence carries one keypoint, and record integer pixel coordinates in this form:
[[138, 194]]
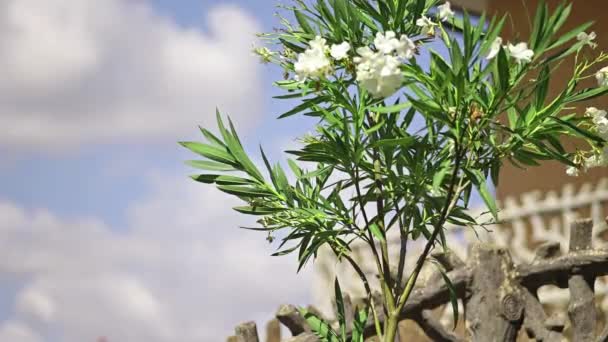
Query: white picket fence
[[526, 222]]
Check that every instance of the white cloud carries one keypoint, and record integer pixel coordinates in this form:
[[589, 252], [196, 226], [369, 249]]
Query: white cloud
[[180, 271], [15, 331], [78, 72]]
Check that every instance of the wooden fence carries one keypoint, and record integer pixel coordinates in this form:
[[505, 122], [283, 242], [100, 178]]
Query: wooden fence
[[500, 296]]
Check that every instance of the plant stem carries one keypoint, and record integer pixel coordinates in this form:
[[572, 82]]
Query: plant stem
[[368, 290], [391, 328], [450, 202], [385, 271]]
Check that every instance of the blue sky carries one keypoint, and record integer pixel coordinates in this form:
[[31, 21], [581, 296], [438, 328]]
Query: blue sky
[[101, 231], [93, 187], [80, 182]]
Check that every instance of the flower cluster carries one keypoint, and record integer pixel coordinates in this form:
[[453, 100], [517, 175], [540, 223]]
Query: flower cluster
[[379, 71], [427, 25], [602, 77], [314, 62], [378, 68], [599, 158], [520, 51]]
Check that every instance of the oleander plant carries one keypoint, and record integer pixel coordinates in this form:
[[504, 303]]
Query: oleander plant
[[400, 145]]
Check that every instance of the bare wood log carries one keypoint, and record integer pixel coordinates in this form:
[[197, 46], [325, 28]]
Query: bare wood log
[[349, 311], [535, 320], [273, 331], [551, 271], [306, 337], [290, 317], [556, 271], [581, 308], [246, 332], [547, 250], [434, 329], [604, 335], [556, 322], [448, 259], [494, 307]]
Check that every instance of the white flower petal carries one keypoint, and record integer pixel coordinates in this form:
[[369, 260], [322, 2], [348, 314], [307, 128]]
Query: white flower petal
[[602, 77], [340, 51], [495, 48], [445, 11], [520, 52]]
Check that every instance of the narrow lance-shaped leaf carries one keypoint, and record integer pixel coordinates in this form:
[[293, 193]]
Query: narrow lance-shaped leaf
[[321, 328], [481, 184], [340, 309]]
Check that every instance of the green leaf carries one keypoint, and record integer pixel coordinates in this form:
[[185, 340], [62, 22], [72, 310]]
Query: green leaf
[[209, 165], [453, 294], [261, 211], [340, 309], [481, 184], [587, 94], [314, 174], [440, 176], [222, 180], [321, 328], [359, 325], [236, 148], [374, 128], [404, 143], [542, 87], [212, 138], [210, 152], [303, 21], [576, 130], [244, 191], [540, 21], [396, 108], [570, 35], [377, 232], [502, 66], [306, 104]]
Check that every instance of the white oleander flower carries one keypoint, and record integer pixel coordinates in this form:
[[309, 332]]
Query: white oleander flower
[[572, 171], [378, 73], [520, 52], [427, 25], [597, 160], [602, 77], [365, 55], [445, 11], [406, 48], [319, 43], [587, 39], [495, 48], [340, 51], [313, 62], [600, 120], [387, 42]]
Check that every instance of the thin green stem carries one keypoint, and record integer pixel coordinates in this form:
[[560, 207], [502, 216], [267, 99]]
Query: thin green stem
[[450, 203], [387, 286], [368, 290]]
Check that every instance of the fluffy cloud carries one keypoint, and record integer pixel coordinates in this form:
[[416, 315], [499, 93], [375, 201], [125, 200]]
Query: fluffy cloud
[[78, 72], [180, 271]]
